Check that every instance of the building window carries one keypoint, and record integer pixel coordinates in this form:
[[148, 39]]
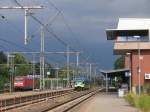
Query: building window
[[132, 39]]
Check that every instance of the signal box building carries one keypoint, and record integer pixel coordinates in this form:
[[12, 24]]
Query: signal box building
[[132, 39]]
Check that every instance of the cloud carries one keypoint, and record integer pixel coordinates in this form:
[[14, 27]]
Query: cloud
[[87, 19]]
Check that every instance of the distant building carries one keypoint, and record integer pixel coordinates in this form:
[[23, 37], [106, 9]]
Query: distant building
[[132, 39]]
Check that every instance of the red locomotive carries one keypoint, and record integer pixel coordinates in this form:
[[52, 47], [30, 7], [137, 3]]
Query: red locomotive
[[25, 83]]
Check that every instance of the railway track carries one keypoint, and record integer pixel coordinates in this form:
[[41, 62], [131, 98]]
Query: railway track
[[53, 103], [20, 101], [66, 107]]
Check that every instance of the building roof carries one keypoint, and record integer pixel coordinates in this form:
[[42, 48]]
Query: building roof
[[129, 27], [133, 23], [114, 71]]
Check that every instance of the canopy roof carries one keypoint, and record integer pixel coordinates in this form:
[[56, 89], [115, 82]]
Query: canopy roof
[[114, 71]]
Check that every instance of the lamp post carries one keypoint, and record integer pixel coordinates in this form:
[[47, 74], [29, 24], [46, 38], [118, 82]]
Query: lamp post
[[57, 75], [139, 64], [129, 66], [68, 61], [106, 78], [33, 71]]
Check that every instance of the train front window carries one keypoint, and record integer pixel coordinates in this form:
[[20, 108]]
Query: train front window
[[19, 80], [79, 82]]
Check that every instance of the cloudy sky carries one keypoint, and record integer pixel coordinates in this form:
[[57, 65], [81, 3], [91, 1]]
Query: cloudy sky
[[81, 24]]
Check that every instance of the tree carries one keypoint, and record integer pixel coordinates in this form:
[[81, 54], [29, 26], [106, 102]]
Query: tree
[[3, 58], [22, 66], [119, 63], [20, 59], [48, 68], [4, 77], [63, 72]]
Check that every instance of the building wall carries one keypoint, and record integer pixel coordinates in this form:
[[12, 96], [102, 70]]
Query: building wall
[[123, 46], [145, 66]]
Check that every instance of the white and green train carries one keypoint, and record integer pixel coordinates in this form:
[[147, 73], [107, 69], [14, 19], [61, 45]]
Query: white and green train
[[82, 84]]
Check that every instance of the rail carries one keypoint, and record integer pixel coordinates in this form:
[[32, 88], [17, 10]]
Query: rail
[[70, 104], [10, 103], [54, 102]]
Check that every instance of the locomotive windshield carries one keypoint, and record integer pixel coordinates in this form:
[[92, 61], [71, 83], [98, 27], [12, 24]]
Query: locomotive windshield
[[18, 79], [78, 81]]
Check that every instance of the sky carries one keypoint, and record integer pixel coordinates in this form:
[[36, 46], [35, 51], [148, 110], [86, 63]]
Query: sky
[[81, 24]]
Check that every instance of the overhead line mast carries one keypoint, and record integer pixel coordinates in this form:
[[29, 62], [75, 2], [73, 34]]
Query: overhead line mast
[[26, 9], [44, 25]]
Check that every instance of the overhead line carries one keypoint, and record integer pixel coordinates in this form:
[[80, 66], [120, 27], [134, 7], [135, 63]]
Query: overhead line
[[54, 6], [52, 33], [14, 44], [52, 20], [64, 43], [67, 25]]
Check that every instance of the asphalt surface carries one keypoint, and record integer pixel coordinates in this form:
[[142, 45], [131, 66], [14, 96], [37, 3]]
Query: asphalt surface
[[104, 103]]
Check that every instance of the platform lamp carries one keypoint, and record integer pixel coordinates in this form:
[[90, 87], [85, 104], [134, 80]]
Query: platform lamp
[[139, 64]]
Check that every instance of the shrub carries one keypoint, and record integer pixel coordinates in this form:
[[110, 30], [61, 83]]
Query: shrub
[[143, 103], [130, 98]]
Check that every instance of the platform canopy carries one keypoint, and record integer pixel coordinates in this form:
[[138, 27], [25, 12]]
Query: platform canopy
[[111, 72]]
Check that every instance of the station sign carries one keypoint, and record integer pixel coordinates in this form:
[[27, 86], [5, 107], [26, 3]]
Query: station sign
[[147, 76]]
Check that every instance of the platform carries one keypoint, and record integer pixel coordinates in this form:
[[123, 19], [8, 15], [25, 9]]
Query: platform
[[26, 93], [103, 102]]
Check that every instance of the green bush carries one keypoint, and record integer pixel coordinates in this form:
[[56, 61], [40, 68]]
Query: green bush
[[143, 103], [130, 98]]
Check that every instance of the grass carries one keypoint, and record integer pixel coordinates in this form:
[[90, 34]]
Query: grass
[[142, 102]]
